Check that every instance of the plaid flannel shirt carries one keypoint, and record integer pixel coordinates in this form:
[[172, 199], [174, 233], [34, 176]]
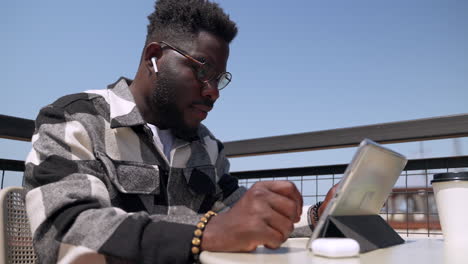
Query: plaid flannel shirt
[[102, 192]]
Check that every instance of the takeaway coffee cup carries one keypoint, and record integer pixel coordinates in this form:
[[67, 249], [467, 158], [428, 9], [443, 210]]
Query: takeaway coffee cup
[[451, 193]]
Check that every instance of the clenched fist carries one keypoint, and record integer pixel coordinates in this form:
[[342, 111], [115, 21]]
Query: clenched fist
[[265, 215]]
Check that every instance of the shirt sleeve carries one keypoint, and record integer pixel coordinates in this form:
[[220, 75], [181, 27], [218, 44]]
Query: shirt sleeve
[[229, 184], [69, 204]]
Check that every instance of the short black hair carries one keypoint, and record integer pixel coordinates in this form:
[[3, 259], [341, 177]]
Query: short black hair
[[180, 20]]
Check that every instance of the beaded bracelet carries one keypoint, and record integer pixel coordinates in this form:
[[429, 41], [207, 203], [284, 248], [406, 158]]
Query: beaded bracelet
[[198, 233]]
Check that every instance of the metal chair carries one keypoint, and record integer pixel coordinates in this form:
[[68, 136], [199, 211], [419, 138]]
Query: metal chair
[[15, 234]]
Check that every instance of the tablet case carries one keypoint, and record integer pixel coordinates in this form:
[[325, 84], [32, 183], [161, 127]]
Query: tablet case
[[370, 231]]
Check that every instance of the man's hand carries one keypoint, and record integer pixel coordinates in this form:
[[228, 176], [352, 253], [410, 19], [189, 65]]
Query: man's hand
[[324, 205], [265, 215]]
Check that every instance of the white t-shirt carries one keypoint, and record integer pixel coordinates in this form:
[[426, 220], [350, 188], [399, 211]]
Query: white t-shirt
[[163, 139]]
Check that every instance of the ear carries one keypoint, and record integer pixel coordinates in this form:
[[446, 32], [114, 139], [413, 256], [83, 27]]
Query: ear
[[152, 50]]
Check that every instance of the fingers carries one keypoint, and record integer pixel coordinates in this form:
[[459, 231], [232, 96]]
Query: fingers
[[331, 192], [283, 205], [273, 239], [265, 215], [288, 189], [329, 196], [281, 224]]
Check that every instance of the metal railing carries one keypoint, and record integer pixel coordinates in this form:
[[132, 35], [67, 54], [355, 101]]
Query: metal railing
[[16, 128], [410, 209], [10, 165]]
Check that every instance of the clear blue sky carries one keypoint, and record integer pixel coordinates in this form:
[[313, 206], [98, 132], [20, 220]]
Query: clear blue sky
[[298, 66]]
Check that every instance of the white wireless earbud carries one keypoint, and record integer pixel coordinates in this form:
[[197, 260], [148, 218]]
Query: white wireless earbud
[[153, 60]]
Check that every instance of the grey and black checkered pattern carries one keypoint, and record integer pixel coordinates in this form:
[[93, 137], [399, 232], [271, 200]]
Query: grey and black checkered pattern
[[102, 192]]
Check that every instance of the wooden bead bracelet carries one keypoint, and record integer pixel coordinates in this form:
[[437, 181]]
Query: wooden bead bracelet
[[198, 233]]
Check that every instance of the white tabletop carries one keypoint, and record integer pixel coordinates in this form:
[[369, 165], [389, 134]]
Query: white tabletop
[[414, 251]]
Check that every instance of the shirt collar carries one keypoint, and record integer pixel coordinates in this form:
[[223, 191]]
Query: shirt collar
[[123, 110], [125, 113]]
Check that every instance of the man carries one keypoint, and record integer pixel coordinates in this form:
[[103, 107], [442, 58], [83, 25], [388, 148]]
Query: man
[[125, 174]]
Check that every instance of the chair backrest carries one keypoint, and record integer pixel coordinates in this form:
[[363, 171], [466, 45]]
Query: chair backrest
[[15, 234]]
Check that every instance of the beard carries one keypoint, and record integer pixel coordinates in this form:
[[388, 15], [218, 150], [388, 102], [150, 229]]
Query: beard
[[169, 116]]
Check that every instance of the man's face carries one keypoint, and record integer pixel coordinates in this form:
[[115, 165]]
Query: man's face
[[180, 100]]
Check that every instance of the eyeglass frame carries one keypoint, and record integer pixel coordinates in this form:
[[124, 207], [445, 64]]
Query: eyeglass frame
[[228, 76]]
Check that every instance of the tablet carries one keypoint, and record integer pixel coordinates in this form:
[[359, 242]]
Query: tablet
[[366, 184]]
